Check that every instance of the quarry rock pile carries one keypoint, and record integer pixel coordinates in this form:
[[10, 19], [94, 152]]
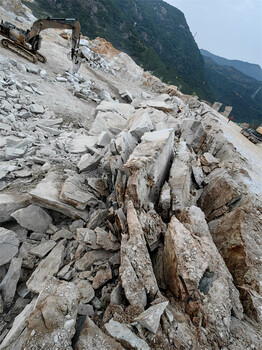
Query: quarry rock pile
[[137, 233]]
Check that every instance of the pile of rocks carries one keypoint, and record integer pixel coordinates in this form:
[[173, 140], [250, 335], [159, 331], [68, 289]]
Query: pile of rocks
[[138, 233]]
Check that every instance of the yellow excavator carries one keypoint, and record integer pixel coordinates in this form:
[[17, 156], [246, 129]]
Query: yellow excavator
[[26, 43]]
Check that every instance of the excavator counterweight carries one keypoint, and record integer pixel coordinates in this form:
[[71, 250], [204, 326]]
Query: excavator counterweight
[[27, 43]]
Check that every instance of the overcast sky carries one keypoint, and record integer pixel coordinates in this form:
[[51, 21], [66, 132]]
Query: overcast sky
[[227, 28]]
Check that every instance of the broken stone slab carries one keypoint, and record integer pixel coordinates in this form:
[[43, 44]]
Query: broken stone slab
[[220, 193], [126, 95], [9, 244], [82, 143], [85, 310], [104, 139], [122, 109], [106, 240], [125, 145], [150, 319], [194, 268], [193, 133], [208, 160], [89, 163], [227, 111], [180, 178], [47, 192], [97, 218], [216, 106], [91, 337], [75, 193], [86, 291], [90, 258], [136, 271], [42, 249], [108, 121], [33, 218], [105, 96], [36, 109], [160, 105], [9, 203], [87, 237], [18, 327], [149, 165], [125, 336], [8, 284], [16, 148], [165, 199], [198, 173], [47, 268], [103, 275], [139, 123], [52, 323]]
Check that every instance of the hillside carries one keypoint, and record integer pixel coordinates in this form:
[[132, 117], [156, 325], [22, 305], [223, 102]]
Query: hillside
[[154, 33], [236, 89], [123, 223], [249, 69]]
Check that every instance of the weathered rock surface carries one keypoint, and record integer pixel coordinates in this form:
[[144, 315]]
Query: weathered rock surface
[[8, 285], [151, 317], [10, 203], [47, 268], [33, 218], [149, 165], [9, 244], [52, 323]]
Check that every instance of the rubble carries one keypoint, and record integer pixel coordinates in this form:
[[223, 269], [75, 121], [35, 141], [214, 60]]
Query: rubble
[[136, 226]]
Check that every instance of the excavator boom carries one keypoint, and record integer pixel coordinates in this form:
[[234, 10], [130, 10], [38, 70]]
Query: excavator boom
[[27, 43]]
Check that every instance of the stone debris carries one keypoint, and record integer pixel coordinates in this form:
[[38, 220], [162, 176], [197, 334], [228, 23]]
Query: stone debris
[[129, 226]]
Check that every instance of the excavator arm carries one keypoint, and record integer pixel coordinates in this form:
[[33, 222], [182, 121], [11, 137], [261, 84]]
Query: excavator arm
[[33, 35]]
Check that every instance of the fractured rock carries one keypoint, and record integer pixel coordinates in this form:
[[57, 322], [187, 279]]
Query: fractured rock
[[103, 275], [33, 218], [125, 336], [10, 203], [149, 165], [193, 133], [8, 285], [86, 291], [150, 318], [106, 240], [9, 244], [91, 337], [87, 237], [52, 323], [89, 163], [139, 123], [90, 258], [47, 268], [137, 275], [42, 249]]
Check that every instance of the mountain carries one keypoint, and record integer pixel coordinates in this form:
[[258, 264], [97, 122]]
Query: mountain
[[250, 69], [236, 89], [154, 33]]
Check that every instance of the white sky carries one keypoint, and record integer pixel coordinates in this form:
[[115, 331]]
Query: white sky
[[228, 28]]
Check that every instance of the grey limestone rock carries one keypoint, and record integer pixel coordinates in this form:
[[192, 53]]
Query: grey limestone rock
[[9, 244]]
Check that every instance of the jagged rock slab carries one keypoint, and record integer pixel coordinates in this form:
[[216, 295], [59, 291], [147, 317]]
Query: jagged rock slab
[[75, 193], [10, 203], [106, 240], [82, 143], [149, 165], [161, 105], [47, 268], [18, 328], [90, 258], [139, 123], [86, 291], [87, 237], [137, 275], [104, 139], [103, 275], [237, 235], [220, 193], [91, 337], [9, 245], [8, 285], [108, 121], [150, 318], [125, 144], [47, 192], [42, 249], [52, 323], [194, 268], [180, 179], [193, 133], [125, 336], [198, 172], [33, 218], [89, 163], [123, 109]]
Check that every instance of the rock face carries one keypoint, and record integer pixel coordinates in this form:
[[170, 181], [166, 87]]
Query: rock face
[[149, 165], [52, 323], [123, 225]]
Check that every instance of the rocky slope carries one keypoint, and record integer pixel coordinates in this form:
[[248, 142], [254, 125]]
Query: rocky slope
[[124, 225]]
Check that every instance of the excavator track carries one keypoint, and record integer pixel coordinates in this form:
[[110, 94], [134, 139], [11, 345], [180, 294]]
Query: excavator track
[[9, 44], [40, 57]]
